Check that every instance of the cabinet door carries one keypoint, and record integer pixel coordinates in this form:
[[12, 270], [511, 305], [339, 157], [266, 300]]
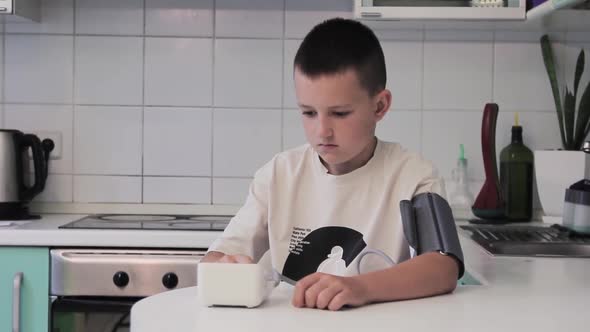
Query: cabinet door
[[34, 288]]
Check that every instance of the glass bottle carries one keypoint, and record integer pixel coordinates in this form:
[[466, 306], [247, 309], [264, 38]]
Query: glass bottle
[[460, 197], [516, 177]]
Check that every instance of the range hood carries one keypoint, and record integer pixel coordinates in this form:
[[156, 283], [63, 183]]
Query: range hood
[[21, 10], [440, 9]]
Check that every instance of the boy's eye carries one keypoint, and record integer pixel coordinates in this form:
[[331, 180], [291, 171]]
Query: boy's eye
[[341, 114], [308, 113]]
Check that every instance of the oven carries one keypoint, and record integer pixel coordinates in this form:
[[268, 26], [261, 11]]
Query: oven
[[93, 289]]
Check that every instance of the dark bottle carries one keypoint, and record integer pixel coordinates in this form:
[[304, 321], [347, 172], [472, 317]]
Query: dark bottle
[[516, 177]]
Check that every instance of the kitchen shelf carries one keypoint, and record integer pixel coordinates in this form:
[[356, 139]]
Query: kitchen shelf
[[436, 10], [563, 20]]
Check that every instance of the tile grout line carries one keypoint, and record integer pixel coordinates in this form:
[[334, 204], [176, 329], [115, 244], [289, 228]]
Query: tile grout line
[[3, 93], [422, 91], [142, 194], [493, 66], [74, 108], [212, 110], [283, 62]]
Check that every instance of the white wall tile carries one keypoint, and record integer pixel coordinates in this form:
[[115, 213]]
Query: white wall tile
[[177, 190], [443, 131], [107, 189], [57, 16], [293, 132], [520, 79], [252, 79], [403, 127], [403, 61], [230, 191], [107, 140], [179, 18], [58, 188], [177, 141], [112, 17], [35, 118], [254, 18], [540, 130], [109, 70], [458, 35], [38, 69], [244, 140], [178, 71], [302, 15], [457, 75], [2, 74], [290, 48]]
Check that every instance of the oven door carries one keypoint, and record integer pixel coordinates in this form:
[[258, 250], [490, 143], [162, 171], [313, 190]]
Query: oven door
[[90, 314]]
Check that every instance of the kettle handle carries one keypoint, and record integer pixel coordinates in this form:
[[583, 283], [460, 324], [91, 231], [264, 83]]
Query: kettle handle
[[30, 140]]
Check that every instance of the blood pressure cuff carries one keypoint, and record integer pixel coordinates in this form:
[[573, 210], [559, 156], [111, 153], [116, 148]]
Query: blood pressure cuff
[[429, 226]]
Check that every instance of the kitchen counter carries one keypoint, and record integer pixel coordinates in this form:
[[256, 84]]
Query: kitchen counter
[[517, 294], [45, 233]]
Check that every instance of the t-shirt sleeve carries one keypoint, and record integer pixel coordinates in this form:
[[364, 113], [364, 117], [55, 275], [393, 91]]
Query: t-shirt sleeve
[[247, 232], [431, 182]]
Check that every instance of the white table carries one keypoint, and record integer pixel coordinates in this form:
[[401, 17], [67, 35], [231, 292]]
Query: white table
[[519, 294]]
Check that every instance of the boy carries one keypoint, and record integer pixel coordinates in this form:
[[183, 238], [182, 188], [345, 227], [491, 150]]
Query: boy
[[322, 208]]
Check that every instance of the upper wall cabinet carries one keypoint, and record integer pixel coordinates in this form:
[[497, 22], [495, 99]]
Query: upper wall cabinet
[[440, 9]]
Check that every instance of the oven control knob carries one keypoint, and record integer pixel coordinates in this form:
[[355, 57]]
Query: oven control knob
[[170, 280], [121, 279]]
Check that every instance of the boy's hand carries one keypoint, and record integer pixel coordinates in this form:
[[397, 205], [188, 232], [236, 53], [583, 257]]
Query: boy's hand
[[242, 259], [326, 291], [219, 257]]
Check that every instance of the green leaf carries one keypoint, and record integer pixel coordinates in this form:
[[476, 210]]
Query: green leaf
[[569, 112], [548, 59], [579, 71], [583, 118], [584, 108]]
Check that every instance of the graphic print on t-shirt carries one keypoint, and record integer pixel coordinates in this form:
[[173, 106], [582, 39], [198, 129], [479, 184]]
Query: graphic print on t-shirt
[[327, 249]]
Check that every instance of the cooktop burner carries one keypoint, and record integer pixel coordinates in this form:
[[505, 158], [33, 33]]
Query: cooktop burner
[[150, 221]]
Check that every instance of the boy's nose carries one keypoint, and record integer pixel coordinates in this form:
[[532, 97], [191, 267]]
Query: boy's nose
[[324, 128]]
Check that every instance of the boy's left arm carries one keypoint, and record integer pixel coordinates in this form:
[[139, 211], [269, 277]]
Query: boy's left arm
[[422, 276]]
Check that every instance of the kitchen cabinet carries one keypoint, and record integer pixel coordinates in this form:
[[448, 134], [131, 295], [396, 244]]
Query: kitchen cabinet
[[33, 263]]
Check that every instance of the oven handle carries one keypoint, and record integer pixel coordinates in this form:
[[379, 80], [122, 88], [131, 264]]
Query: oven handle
[[16, 290]]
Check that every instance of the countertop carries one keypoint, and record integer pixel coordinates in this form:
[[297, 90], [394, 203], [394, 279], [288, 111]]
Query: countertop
[[518, 294], [44, 232]]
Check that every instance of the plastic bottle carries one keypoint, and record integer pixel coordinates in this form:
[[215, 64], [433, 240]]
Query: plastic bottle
[[461, 197], [516, 176]]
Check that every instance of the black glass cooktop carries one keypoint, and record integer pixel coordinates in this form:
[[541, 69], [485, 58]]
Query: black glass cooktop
[[151, 222]]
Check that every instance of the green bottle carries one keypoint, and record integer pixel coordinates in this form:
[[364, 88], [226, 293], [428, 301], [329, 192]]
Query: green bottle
[[516, 177]]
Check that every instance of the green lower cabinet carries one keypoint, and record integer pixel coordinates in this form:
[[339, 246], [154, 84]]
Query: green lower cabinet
[[33, 263]]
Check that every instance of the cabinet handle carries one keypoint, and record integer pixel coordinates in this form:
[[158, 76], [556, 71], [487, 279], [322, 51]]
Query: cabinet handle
[[18, 280]]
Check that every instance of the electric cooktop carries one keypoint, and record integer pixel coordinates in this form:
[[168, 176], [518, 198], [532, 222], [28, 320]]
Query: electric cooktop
[[151, 222]]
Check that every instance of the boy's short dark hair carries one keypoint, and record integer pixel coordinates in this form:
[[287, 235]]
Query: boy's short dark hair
[[337, 45]]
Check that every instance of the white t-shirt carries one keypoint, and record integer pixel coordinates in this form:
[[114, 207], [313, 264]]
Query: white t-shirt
[[315, 221]]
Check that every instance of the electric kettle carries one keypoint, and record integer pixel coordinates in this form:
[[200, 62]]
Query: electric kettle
[[14, 166]]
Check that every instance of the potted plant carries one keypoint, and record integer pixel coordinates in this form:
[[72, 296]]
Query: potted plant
[[558, 169]]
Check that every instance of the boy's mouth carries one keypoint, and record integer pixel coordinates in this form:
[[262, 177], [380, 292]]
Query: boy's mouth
[[327, 147]]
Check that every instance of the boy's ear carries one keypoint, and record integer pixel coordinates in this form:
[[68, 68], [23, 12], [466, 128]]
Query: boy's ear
[[383, 103]]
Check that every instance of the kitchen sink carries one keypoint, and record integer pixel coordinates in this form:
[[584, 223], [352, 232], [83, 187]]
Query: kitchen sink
[[554, 241], [541, 249]]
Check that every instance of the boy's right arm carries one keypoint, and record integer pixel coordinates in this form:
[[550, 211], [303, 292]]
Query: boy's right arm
[[219, 257]]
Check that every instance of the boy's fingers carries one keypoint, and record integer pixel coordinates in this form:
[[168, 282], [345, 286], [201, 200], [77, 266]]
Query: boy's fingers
[[326, 295], [338, 301], [312, 292], [227, 259], [243, 259], [301, 286]]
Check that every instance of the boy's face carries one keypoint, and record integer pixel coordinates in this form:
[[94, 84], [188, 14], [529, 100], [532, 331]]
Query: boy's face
[[339, 118]]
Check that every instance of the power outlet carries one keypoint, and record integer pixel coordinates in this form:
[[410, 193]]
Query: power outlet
[[56, 137]]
